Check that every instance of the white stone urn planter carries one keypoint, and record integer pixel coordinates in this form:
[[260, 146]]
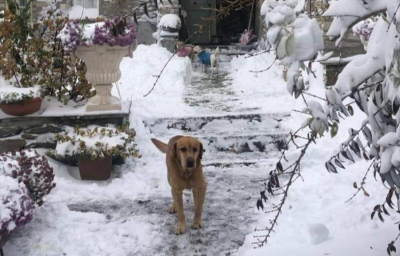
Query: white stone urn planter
[[102, 62]]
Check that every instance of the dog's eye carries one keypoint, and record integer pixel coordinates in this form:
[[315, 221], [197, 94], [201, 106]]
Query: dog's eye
[[195, 150], [183, 149]]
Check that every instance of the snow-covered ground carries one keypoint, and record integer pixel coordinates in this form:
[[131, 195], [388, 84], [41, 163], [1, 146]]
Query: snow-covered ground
[[127, 214]]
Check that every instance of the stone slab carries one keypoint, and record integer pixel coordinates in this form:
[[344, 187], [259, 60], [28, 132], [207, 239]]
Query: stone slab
[[12, 145]]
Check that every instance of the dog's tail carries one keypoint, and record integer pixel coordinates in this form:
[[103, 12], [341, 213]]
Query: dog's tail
[[216, 51], [160, 145]]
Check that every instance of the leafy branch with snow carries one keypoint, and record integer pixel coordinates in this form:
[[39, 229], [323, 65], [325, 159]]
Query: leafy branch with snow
[[370, 80], [96, 142]]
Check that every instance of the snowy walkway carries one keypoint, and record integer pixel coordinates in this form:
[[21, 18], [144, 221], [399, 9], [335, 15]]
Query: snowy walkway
[[241, 117], [128, 214]]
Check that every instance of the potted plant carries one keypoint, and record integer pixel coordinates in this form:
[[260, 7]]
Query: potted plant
[[20, 102], [95, 146], [101, 46], [16, 207], [29, 168]]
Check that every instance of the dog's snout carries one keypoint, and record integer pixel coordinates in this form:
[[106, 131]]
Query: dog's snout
[[190, 163]]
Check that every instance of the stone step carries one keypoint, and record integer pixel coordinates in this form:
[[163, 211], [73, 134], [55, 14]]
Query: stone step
[[252, 160], [218, 125]]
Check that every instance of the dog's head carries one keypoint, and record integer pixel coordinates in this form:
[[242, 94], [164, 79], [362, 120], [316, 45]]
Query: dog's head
[[188, 152], [197, 49]]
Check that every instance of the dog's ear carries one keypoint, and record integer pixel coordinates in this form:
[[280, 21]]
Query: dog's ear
[[201, 150], [174, 154]]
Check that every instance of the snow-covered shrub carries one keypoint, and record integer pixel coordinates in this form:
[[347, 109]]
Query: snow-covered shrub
[[31, 169], [30, 56], [370, 81], [294, 37], [16, 207], [96, 141], [113, 32], [15, 97]]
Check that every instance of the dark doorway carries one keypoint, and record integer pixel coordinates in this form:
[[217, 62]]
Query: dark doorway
[[231, 27]]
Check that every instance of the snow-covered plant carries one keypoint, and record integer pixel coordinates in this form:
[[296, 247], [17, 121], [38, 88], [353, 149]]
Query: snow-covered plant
[[113, 32], [96, 141], [16, 207], [371, 82], [31, 55], [16, 97], [31, 169], [294, 37]]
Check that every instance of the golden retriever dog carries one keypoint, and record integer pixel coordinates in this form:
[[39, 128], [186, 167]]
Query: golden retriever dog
[[184, 172]]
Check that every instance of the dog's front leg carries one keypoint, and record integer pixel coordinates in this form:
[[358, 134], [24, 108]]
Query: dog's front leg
[[199, 195], [178, 201]]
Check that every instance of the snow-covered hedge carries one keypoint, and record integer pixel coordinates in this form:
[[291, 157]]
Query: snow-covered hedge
[[16, 207], [96, 141], [31, 169]]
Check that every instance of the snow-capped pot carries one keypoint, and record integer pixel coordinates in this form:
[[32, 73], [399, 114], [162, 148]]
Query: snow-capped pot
[[16, 207], [29, 168], [94, 147], [114, 32], [20, 103]]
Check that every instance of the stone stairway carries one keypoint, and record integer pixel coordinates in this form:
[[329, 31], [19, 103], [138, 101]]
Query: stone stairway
[[241, 145]]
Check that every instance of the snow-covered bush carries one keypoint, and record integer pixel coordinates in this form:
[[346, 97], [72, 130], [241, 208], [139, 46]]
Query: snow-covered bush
[[113, 32], [96, 141], [31, 169], [16, 207], [371, 82], [16, 97], [293, 36], [30, 56]]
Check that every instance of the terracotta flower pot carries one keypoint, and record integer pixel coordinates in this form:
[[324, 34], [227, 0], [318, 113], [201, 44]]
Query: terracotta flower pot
[[97, 169], [102, 62], [4, 236], [21, 109]]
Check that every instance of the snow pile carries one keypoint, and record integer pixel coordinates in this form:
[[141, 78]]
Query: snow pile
[[246, 84], [15, 205], [138, 78]]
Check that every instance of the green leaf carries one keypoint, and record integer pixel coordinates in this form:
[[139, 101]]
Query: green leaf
[[350, 109], [289, 45], [334, 129]]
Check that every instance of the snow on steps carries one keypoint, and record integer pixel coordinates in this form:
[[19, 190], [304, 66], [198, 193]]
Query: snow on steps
[[241, 139]]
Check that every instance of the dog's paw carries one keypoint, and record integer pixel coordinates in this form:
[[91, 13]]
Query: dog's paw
[[172, 209], [197, 224], [180, 228]]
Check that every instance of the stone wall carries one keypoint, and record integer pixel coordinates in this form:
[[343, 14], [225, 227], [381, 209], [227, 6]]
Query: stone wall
[[18, 133]]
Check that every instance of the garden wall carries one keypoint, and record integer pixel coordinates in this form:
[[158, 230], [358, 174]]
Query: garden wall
[[38, 130]]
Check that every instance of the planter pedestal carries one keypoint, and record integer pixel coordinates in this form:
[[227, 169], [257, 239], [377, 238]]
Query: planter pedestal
[[102, 62]]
